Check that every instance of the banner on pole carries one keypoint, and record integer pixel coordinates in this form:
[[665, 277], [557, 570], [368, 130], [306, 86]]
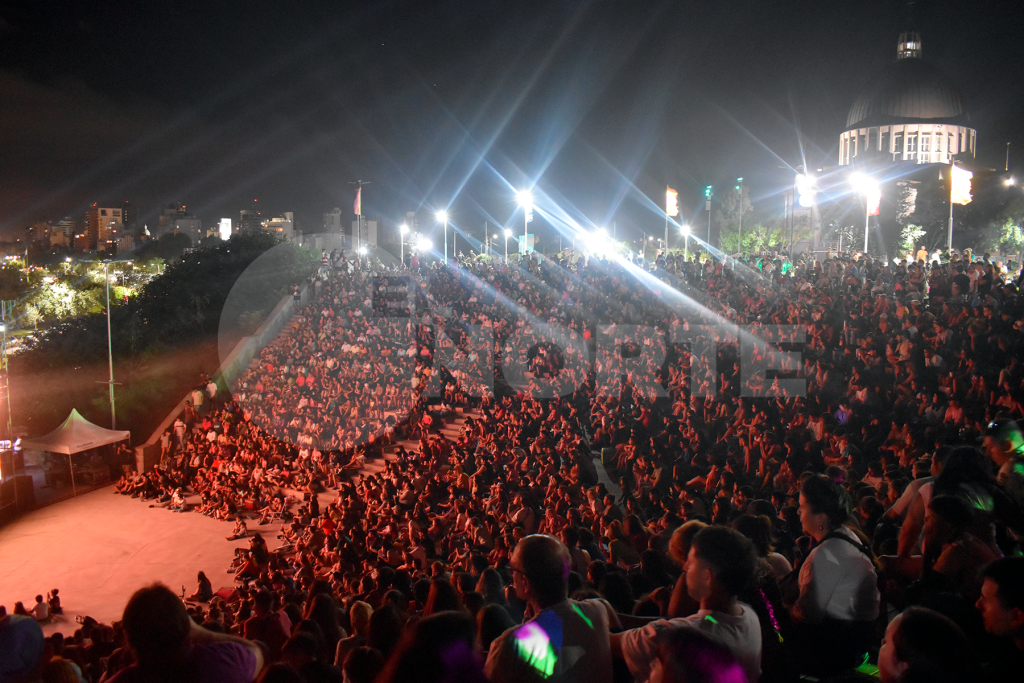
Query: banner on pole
[[960, 186], [357, 208], [671, 202], [874, 200]]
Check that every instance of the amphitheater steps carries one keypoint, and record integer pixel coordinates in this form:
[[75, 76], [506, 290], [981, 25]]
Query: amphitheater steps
[[450, 431]]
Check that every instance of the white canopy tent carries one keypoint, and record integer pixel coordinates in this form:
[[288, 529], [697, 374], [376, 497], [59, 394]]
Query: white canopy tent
[[75, 435]]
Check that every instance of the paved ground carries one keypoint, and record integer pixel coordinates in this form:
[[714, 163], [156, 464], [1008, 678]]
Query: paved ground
[[100, 547]]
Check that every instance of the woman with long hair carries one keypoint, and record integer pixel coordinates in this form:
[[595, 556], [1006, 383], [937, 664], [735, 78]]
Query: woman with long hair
[[205, 590]]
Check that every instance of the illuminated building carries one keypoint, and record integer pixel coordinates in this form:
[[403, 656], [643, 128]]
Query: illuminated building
[[102, 227], [910, 112], [282, 226]]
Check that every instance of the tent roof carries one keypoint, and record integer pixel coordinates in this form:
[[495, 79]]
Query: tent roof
[[75, 435]]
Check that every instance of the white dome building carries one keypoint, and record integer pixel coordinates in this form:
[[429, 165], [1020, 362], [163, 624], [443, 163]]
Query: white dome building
[[910, 113]]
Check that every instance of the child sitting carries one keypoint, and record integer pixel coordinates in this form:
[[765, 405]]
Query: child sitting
[[54, 601]]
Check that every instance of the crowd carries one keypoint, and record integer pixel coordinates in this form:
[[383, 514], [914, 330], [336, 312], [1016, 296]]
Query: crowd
[[758, 531]]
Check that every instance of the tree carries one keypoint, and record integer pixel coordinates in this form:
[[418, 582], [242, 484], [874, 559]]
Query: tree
[[727, 218], [12, 283], [910, 237], [1011, 237], [31, 316]]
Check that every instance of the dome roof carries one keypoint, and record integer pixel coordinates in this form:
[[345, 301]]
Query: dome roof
[[909, 90]]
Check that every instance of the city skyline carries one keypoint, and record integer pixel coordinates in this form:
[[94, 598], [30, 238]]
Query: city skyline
[[455, 106]]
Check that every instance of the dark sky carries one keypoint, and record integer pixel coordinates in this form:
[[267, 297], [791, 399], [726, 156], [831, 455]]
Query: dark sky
[[456, 103]]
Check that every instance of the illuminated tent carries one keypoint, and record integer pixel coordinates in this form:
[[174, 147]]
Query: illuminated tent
[[74, 436]]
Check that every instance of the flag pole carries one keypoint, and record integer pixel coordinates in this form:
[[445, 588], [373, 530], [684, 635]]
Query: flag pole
[[667, 188], [949, 238]]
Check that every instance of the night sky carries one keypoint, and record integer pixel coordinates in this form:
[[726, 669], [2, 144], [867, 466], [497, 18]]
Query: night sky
[[456, 104]]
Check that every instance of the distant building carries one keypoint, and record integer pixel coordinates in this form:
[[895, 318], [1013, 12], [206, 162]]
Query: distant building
[[103, 226], [39, 235], [190, 226], [249, 221], [332, 222], [365, 235], [169, 215], [125, 243], [62, 234], [129, 214], [283, 226], [911, 112]]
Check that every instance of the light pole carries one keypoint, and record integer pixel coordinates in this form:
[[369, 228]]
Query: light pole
[[110, 349], [739, 190], [7, 382], [707, 199], [525, 198], [442, 216], [686, 242], [868, 187], [402, 230], [508, 233]]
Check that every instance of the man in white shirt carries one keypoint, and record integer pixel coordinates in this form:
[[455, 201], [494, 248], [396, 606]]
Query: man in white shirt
[[720, 565], [41, 610]]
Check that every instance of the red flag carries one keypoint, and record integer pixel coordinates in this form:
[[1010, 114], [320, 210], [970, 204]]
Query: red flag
[[874, 199], [358, 206]]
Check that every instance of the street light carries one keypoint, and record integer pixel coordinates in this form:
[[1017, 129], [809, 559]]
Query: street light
[[686, 242], [739, 231], [402, 230], [525, 199], [1010, 181], [508, 233], [110, 348], [442, 217], [868, 188]]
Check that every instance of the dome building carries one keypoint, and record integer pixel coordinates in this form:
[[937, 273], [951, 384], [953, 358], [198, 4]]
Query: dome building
[[910, 113]]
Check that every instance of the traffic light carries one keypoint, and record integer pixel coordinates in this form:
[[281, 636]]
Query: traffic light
[[707, 192], [739, 184]]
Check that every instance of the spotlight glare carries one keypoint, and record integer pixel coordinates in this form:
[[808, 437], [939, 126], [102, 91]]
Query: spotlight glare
[[442, 216]]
